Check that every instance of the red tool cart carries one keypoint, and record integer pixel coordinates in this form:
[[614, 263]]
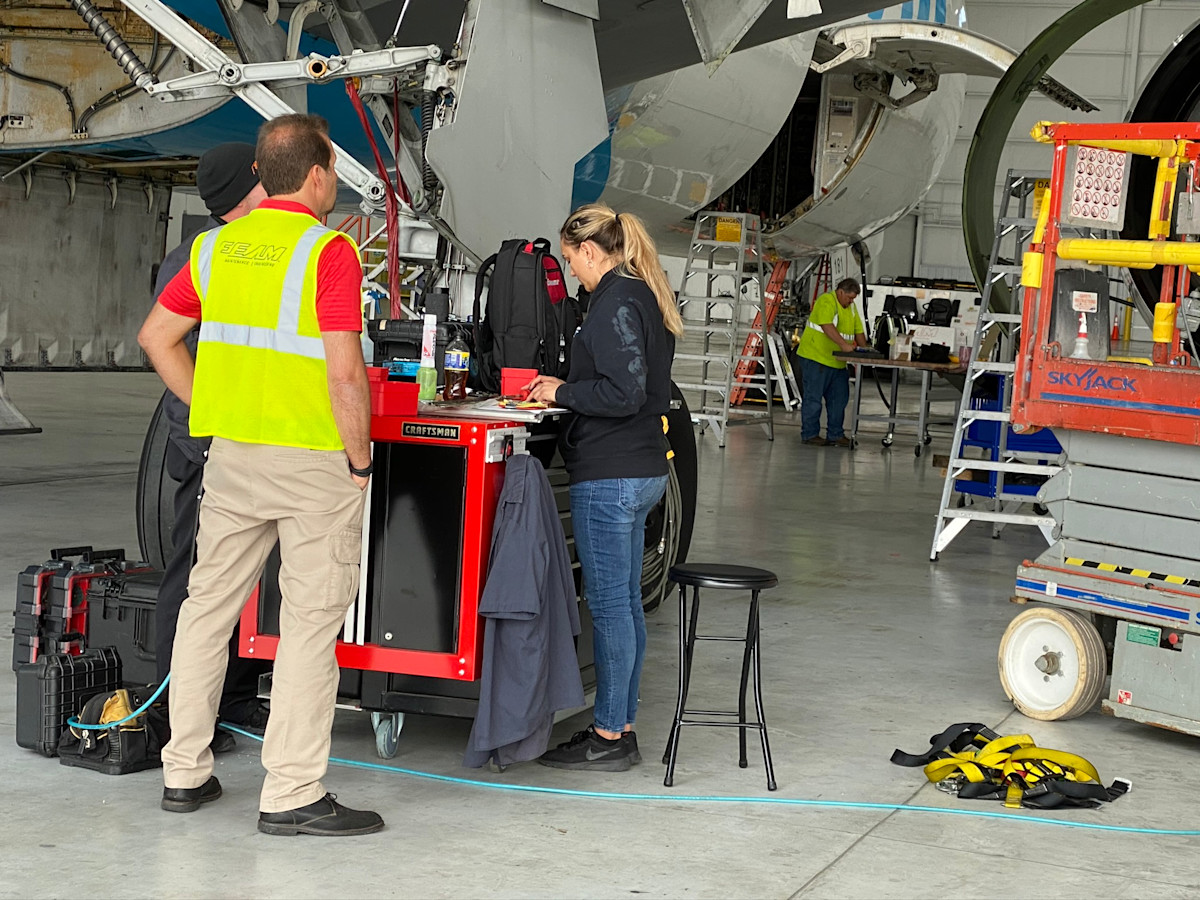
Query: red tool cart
[[413, 638]]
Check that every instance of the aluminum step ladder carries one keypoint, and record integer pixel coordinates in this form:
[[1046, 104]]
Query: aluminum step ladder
[[782, 376], [722, 301], [993, 351]]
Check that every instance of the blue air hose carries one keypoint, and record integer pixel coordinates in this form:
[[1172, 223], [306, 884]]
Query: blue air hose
[[75, 723], [779, 801], [675, 798]]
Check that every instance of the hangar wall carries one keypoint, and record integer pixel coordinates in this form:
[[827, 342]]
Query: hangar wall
[[77, 273], [1108, 67]]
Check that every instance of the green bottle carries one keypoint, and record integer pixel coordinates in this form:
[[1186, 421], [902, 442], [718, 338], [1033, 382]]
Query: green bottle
[[427, 374]]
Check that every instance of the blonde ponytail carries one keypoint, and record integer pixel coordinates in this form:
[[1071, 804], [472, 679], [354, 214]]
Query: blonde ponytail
[[623, 235]]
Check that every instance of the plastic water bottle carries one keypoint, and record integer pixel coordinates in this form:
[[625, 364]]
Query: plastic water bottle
[[427, 374], [456, 368]]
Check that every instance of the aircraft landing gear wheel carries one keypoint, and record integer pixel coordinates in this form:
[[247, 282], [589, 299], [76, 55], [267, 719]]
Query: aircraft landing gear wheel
[[387, 733], [1052, 663]]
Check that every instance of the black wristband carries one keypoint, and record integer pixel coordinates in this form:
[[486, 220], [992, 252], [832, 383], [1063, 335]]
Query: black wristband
[[361, 473]]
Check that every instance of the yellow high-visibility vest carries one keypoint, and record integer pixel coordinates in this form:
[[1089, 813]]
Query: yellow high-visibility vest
[[260, 364]]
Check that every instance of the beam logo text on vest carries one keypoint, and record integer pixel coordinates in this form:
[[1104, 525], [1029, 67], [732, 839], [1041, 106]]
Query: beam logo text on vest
[[243, 251]]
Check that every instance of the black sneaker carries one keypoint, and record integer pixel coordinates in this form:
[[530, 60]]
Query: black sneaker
[[326, 818], [588, 750], [185, 800], [629, 738]]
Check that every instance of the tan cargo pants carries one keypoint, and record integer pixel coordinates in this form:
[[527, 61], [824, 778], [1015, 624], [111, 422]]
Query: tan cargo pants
[[254, 494]]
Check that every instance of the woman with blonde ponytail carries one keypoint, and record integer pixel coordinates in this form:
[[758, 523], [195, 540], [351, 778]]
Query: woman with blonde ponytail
[[619, 388]]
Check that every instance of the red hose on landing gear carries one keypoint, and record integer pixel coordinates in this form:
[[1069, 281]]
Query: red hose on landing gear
[[393, 207]]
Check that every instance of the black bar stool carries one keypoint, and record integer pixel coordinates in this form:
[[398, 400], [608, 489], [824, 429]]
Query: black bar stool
[[722, 578]]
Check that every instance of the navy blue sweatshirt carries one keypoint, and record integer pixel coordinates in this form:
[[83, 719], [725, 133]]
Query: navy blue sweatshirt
[[619, 385]]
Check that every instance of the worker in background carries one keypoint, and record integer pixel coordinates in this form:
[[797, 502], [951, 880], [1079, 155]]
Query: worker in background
[[619, 388], [280, 385], [230, 189], [833, 327]]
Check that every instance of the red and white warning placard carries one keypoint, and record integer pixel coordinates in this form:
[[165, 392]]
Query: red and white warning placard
[[1096, 186]]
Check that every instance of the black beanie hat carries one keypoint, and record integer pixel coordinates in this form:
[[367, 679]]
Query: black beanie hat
[[225, 176]]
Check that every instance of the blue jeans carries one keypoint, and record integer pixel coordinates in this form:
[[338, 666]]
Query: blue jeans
[[828, 384], [609, 520]]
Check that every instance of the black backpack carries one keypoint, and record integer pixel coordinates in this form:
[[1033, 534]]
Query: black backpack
[[530, 320]]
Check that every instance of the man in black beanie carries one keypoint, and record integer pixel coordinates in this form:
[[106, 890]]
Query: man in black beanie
[[228, 185]]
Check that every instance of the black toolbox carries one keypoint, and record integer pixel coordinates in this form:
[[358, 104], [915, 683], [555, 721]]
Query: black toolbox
[[120, 613], [401, 339], [50, 612], [54, 688]]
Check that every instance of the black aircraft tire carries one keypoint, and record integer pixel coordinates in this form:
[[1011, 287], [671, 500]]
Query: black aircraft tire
[[155, 494], [679, 503]]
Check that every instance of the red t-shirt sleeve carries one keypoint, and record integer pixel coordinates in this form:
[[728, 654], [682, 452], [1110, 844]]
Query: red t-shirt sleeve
[[179, 295], [339, 288]]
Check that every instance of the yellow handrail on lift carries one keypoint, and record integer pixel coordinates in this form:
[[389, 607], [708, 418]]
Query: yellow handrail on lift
[[1131, 254], [1156, 148]]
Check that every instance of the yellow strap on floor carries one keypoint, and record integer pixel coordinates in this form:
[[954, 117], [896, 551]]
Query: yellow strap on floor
[[941, 769], [1014, 761], [972, 763], [1074, 767]]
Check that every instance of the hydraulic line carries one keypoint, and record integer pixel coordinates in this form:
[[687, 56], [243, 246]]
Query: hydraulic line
[[392, 205], [129, 62], [119, 95], [45, 82], [428, 107]]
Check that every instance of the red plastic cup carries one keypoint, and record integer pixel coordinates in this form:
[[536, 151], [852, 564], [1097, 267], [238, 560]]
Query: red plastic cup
[[513, 382]]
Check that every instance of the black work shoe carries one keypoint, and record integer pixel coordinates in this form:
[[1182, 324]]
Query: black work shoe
[[630, 739], [252, 718], [222, 742], [588, 750], [184, 800], [326, 817]]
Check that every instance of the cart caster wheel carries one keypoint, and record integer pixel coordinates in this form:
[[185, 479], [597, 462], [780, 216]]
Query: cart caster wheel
[[927, 440], [887, 442], [387, 733], [917, 451], [1052, 663], [853, 444]]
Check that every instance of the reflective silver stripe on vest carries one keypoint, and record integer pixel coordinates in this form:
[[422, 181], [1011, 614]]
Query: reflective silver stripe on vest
[[262, 339], [293, 281], [821, 328], [204, 261]]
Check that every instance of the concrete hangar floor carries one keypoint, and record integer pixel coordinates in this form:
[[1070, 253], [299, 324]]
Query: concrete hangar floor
[[866, 647]]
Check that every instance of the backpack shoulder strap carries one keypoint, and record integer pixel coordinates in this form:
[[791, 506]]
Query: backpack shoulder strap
[[480, 277]]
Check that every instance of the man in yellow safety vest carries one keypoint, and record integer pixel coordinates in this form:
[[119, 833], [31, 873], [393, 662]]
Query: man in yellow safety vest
[[280, 385], [833, 326]]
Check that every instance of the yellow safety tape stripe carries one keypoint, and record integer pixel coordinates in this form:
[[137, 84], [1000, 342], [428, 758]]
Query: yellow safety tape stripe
[[1136, 573]]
